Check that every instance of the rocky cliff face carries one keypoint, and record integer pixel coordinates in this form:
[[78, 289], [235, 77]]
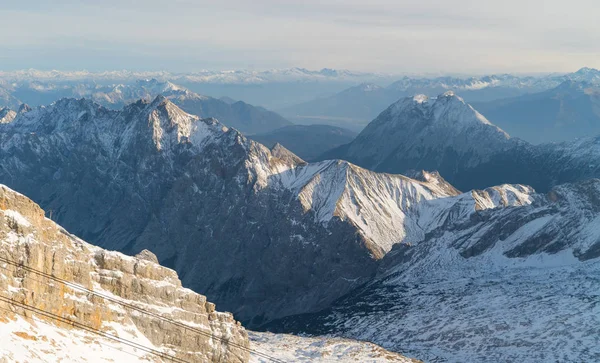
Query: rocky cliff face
[[30, 239]]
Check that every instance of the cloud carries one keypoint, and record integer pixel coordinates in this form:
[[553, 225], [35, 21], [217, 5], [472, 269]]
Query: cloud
[[393, 36]]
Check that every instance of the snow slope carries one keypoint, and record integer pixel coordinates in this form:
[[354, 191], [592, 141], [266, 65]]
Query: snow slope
[[291, 348]]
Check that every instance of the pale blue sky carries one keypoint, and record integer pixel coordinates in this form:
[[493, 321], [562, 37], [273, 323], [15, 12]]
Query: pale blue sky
[[399, 36]]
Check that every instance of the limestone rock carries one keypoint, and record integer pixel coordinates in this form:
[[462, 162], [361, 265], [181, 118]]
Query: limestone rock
[[32, 240]]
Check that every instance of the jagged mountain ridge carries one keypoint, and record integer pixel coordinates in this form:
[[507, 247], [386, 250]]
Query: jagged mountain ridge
[[211, 203], [510, 284], [146, 289], [240, 115]]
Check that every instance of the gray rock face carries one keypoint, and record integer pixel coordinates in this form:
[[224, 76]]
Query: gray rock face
[[509, 284], [30, 239]]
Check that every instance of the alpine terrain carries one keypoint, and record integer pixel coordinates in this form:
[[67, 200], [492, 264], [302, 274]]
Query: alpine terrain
[[505, 284], [327, 247], [270, 234]]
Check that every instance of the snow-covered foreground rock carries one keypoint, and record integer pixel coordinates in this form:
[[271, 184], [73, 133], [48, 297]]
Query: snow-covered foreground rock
[[60, 297], [38, 341], [291, 348], [512, 284]]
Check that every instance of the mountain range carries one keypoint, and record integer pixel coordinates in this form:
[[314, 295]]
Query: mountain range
[[209, 202], [406, 261], [246, 118], [356, 106]]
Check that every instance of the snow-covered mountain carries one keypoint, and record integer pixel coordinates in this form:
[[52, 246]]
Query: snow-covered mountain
[[564, 113], [257, 230], [448, 135], [407, 262], [509, 284], [7, 99]]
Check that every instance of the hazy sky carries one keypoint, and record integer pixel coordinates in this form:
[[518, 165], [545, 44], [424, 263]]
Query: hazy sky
[[371, 35]]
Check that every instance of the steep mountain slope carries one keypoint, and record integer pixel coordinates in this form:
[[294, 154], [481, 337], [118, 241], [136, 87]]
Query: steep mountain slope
[[448, 135], [564, 113], [511, 284], [442, 133], [47, 274], [308, 142], [269, 234]]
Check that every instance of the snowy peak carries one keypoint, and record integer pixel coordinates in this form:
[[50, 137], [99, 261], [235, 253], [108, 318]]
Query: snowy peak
[[447, 108], [383, 207], [586, 74], [168, 120]]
